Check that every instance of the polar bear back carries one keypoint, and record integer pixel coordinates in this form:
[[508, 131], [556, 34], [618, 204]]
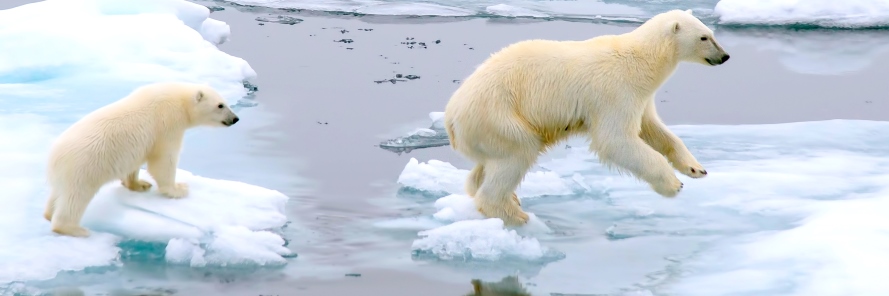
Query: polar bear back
[[115, 139]]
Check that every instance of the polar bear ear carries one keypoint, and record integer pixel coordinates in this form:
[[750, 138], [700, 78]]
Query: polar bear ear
[[689, 11], [675, 27], [198, 97]]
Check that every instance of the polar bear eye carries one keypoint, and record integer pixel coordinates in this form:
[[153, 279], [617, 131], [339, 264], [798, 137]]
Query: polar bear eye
[[704, 38]]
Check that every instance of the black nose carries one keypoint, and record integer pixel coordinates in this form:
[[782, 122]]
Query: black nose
[[235, 120], [725, 58]]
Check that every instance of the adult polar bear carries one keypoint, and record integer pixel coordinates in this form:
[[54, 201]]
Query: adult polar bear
[[112, 143], [533, 94]]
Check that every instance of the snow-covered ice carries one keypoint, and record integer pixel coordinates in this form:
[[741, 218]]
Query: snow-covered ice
[[457, 231], [128, 42], [787, 209], [64, 58], [220, 223], [462, 233], [823, 13]]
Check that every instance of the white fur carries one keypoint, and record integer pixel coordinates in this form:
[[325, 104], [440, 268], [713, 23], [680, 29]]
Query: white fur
[[533, 94], [114, 141]]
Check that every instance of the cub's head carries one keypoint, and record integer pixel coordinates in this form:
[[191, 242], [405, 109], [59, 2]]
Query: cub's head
[[694, 39], [211, 109]]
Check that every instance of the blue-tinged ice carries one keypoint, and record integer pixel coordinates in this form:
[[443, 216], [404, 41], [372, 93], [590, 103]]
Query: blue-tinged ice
[[787, 209]]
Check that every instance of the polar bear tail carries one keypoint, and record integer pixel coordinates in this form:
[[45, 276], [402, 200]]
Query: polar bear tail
[[449, 126]]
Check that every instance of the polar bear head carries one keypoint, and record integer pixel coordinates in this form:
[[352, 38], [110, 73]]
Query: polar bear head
[[694, 40], [211, 109]]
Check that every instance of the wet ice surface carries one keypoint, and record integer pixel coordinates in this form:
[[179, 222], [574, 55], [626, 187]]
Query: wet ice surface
[[787, 209], [819, 52]]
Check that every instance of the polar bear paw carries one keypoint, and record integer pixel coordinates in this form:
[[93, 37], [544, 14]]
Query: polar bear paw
[[138, 186], [68, 230], [695, 170], [178, 190], [670, 187], [511, 213]]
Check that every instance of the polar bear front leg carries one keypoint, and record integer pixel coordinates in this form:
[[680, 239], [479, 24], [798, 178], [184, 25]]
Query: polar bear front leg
[[162, 163], [617, 144], [655, 133], [132, 182]]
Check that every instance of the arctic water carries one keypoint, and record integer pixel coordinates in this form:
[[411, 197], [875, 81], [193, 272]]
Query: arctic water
[[788, 209]]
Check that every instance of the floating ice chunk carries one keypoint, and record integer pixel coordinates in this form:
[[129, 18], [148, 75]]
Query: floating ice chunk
[[434, 136], [459, 207], [437, 120], [456, 207], [513, 11], [440, 178], [481, 240], [471, 236], [232, 245], [225, 219], [824, 13], [416, 9]]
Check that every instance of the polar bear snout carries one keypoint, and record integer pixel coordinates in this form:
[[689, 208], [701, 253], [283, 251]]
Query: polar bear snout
[[231, 122], [717, 61]]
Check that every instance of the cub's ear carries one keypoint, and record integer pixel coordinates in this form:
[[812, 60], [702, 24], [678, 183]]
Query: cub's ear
[[199, 96], [689, 11], [675, 27]]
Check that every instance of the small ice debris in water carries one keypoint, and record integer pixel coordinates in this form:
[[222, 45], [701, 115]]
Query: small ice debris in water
[[512, 11], [421, 138], [281, 19]]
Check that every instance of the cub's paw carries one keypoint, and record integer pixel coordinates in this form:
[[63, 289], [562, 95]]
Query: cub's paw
[[179, 190], [138, 186], [669, 187], [75, 231]]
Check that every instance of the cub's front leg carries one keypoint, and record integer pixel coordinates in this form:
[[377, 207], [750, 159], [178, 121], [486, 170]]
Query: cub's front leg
[[162, 163]]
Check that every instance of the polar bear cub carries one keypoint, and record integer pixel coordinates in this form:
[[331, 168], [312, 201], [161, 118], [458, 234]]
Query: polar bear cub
[[533, 94], [112, 142]]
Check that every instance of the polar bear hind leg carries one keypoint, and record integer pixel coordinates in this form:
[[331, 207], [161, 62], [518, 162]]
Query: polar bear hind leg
[[496, 196], [69, 207], [50, 205]]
